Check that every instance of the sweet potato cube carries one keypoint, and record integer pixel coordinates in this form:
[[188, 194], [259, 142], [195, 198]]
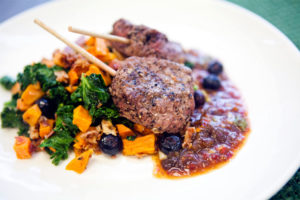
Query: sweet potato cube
[[140, 146], [93, 69], [124, 131], [141, 129], [32, 93], [32, 115], [16, 88], [79, 163], [82, 118], [71, 88], [46, 127], [73, 77], [21, 105], [22, 147]]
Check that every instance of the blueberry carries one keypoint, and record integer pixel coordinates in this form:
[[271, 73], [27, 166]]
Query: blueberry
[[110, 144], [47, 106], [199, 98], [215, 67], [169, 142], [211, 82]]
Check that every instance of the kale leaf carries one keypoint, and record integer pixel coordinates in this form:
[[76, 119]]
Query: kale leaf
[[189, 64], [59, 94], [38, 72], [93, 93], [7, 82], [104, 112], [12, 118], [64, 135]]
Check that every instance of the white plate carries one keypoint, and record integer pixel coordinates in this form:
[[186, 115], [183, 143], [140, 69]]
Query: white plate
[[263, 63]]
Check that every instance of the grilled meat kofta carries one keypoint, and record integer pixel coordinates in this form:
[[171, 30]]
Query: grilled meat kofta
[[156, 93], [148, 42]]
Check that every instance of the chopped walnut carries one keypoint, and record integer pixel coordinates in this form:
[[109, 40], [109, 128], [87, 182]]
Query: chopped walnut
[[61, 76], [33, 132], [47, 62], [187, 143]]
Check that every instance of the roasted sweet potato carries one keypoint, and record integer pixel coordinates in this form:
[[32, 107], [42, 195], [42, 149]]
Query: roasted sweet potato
[[124, 131], [16, 88], [71, 88], [79, 163], [32, 115], [23, 147], [93, 69], [140, 146], [82, 118], [46, 127], [73, 77], [29, 96], [141, 129]]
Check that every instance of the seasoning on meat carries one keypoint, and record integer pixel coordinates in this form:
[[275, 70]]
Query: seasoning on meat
[[155, 93]]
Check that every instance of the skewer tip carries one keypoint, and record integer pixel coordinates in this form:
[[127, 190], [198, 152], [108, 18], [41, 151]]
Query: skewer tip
[[36, 20]]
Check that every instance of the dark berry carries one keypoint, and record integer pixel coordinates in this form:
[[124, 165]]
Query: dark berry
[[110, 144], [168, 143], [47, 106], [211, 82], [215, 67], [199, 98]]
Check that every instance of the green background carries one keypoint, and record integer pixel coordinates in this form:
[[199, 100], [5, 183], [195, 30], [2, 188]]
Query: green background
[[285, 15]]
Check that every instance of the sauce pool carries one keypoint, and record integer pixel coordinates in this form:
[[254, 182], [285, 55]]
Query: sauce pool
[[221, 125]]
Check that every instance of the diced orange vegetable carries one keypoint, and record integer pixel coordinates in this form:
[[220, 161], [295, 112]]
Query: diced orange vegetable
[[106, 78], [21, 106], [30, 95], [79, 163], [82, 118], [92, 50], [90, 41], [46, 127], [124, 131], [16, 88], [71, 88], [73, 77], [140, 146], [52, 149], [79, 142], [109, 57], [23, 147], [141, 129], [93, 69], [32, 115]]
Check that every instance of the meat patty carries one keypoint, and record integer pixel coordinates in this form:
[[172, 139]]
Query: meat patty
[[155, 93], [146, 42]]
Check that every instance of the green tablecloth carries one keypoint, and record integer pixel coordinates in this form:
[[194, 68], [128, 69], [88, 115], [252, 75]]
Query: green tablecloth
[[285, 15]]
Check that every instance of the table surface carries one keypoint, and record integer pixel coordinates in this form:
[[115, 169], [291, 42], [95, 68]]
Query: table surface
[[284, 14]]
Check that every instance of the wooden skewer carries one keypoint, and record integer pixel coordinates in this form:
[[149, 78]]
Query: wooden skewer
[[77, 48], [99, 35]]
